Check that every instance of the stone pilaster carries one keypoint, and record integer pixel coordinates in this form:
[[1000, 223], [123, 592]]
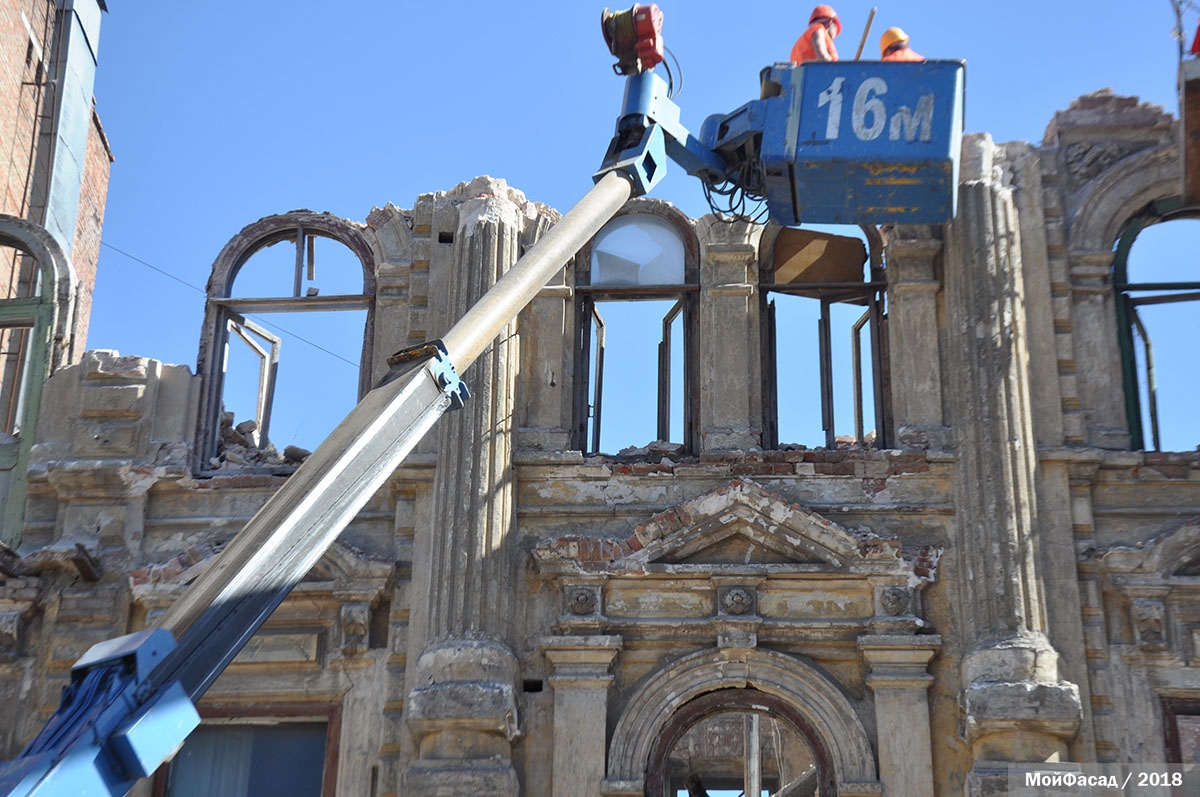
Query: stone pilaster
[[730, 409], [900, 681], [913, 285], [462, 702], [1017, 708], [581, 681]]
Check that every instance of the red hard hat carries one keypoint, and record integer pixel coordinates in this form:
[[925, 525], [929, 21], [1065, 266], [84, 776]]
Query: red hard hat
[[828, 12]]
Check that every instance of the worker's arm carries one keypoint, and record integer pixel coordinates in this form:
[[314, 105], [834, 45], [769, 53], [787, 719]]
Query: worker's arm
[[820, 43]]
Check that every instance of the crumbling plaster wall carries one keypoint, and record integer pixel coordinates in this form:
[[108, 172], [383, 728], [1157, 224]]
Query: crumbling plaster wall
[[634, 574]]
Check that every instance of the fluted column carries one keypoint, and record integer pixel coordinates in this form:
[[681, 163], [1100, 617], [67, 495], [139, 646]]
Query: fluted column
[[462, 701], [1017, 707]]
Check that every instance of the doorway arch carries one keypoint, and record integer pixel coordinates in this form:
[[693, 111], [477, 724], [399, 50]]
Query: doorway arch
[[812, 701]]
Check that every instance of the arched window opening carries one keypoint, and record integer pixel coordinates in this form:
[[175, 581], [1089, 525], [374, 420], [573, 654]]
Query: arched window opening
[[35, 307], [823, 331], [289, 320], [636, 289], [1156, 276], [735, 742]]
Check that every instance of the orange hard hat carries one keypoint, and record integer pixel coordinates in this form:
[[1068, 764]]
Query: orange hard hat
[[827, 12], [891, 36]]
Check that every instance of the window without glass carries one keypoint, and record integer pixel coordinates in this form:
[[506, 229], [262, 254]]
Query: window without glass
[[1156, 276], [824, 327], [287, 325], [636, 290]]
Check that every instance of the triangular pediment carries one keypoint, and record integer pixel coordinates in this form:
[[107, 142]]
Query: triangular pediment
[[735, 527], [738, 535], [743, 523]]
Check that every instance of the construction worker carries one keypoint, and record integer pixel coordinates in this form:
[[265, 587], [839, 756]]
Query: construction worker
[[816, 43], [893, 46]]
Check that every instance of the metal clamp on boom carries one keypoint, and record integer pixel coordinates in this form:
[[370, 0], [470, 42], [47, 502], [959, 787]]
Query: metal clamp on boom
[[434, 353]]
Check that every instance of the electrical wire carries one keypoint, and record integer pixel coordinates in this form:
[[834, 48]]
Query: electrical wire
[[739, 198], [673, 91], [256, 317]]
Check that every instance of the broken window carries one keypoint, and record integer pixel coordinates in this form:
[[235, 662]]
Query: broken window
[[1157, 281], [35, 295], [636, 305], [823, 317], [288, 344], [238, 759]]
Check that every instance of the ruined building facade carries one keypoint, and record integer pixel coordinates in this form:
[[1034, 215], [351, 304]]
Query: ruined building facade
[[1001, 573]]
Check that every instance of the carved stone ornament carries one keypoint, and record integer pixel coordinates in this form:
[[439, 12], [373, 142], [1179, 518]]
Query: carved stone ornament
[[737, 600], [356, 625], [582, 600], [1149, 619], [895, 601]]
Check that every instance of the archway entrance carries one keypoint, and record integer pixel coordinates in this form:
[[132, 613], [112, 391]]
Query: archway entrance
[[738, 741]]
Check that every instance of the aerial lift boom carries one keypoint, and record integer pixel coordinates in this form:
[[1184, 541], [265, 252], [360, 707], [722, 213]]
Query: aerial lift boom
[[836, 143]]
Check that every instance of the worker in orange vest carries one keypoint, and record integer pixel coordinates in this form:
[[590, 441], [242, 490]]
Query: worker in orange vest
[[893, 46], [816, 43]]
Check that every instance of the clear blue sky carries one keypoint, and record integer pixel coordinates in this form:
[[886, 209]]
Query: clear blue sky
[[222, 112]]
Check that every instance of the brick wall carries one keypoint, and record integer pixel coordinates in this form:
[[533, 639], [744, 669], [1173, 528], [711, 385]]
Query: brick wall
[[22, 93], [89, 224]]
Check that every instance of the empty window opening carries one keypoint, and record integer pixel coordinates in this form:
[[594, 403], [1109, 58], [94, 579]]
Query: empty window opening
[[319, 267], [1157, 278], [21, 286], [291, 339], [823, 327], [241, 760], [293, 376], [636, 313], [14, 365], [22, 276], [636, 375]]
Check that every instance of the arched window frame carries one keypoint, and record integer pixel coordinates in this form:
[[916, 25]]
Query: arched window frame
[[221, 308], [687, 294], [1126, 310], [48, 316]]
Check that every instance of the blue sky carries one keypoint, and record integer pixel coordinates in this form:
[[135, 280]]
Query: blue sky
[[220, 113]]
